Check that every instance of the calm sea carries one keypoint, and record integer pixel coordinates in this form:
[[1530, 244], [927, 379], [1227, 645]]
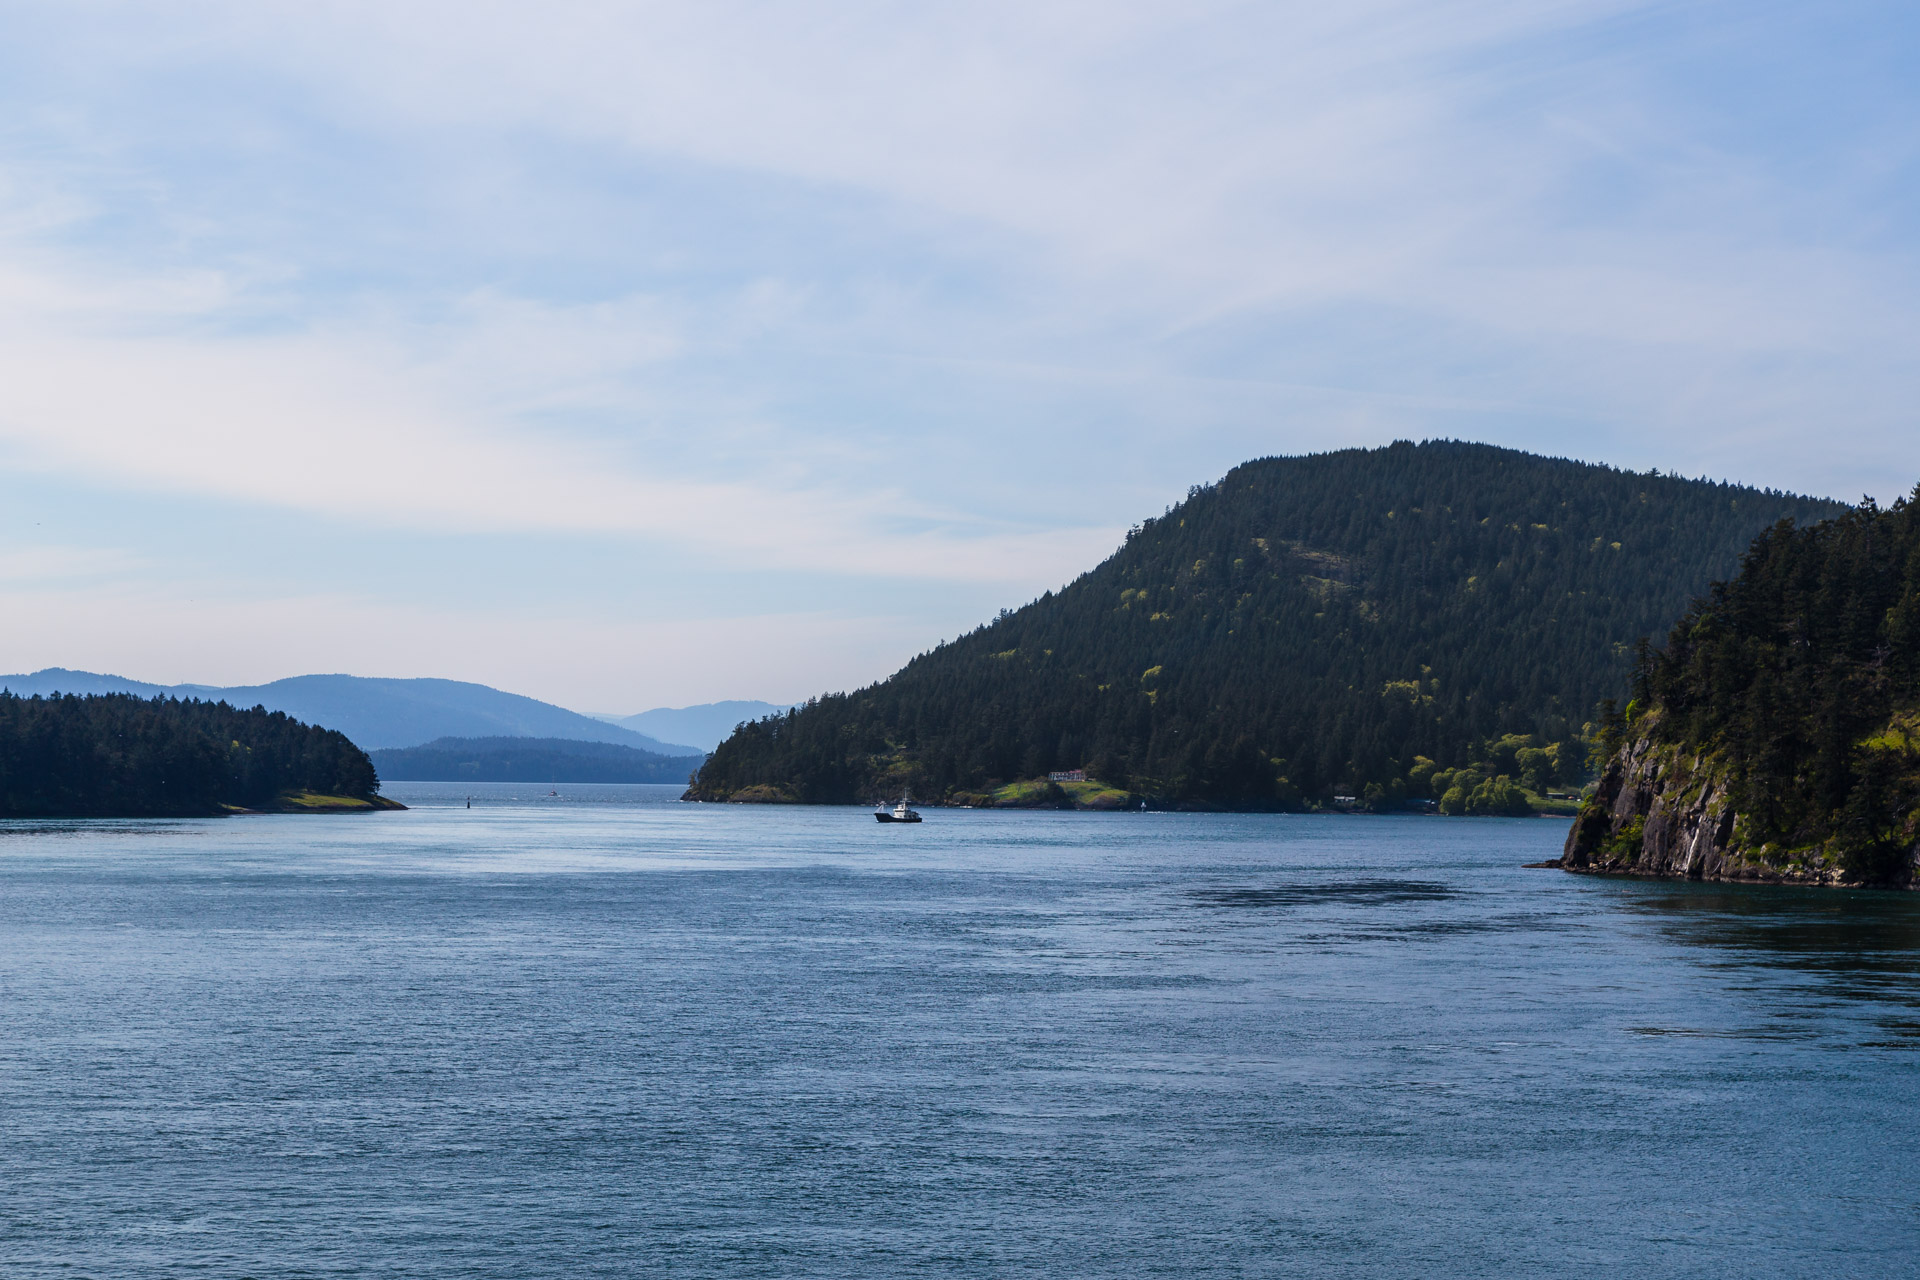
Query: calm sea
[[609, 1034]]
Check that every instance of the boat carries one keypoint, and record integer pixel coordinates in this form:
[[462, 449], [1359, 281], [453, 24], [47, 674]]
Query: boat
[[902, 812]]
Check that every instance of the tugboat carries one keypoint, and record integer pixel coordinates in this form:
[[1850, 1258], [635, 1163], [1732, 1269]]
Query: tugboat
[[900, 812]]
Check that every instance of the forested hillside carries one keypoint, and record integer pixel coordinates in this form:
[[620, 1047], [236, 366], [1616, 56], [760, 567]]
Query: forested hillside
[[1379, 623], [1777, 735], [529, 760], [117, 755]]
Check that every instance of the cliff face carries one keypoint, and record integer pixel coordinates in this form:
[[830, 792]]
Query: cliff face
[[1659, 811]]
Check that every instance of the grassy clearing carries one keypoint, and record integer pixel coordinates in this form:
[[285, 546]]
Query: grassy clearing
[[1563, 808], [1042, 793], [314, 802], [1094, 795], [1023, 794], [761, 793]]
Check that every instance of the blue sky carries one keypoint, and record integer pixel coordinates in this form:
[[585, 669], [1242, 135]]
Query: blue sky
[[642, 354]]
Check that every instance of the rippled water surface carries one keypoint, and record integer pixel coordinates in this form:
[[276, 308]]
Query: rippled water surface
[[608, 1034]]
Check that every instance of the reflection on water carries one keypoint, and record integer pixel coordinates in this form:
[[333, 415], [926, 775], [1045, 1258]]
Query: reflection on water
[[607, 1034], [1827, 930], [1804, 947], [1361, 892]]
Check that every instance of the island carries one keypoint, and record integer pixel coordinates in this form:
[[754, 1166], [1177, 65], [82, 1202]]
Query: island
[[122, 756]]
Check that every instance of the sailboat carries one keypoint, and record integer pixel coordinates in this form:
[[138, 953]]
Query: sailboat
[[902, 812]]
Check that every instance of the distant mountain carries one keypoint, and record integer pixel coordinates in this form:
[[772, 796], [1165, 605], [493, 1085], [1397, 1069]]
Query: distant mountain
[[374, 712], [1386, 624], [706, 725], [529, 760], [54, 680]]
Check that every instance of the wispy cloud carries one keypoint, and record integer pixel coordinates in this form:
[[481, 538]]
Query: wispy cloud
[[66, 565], [229, 634], [933, 292], [438, 427]]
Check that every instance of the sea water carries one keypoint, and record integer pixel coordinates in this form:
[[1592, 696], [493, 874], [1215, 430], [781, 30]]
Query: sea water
[[606, 1034]]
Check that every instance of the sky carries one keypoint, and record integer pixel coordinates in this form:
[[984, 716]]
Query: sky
[[644, 354]]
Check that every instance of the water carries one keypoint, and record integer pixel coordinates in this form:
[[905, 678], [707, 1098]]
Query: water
[[607, 1034]]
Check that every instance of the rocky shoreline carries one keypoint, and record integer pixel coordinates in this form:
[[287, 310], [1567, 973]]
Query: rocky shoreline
[[1661, 812]]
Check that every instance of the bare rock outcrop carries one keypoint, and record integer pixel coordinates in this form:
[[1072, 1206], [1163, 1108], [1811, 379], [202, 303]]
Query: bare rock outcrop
[[1660, 812]]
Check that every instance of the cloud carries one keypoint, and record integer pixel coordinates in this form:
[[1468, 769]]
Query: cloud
[[1540, 190], [885, 291], [63, 564], [1257, 149], [426, 428], [222, 636]]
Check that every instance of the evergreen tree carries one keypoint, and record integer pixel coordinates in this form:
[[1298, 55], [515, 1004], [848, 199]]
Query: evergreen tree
[[120, 756], [1305, 627], [1803, 673]]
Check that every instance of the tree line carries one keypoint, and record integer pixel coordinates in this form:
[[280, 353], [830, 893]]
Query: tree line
[[116, 755], [1305, 627], [530, 760], [1803, 674]]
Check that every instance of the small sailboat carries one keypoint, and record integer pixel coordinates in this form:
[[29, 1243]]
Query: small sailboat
[[902, 812]]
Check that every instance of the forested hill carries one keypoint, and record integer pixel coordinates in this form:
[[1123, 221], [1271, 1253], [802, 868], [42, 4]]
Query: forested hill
[[120, 756], [1777, 735], [1380, 623], [529, 760]]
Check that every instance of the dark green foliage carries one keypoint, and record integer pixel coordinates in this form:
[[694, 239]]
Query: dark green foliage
[[121, 756], [1496, 797], [1499, 774], [529, 760], [1304, 627], [1804, 674], [1624, 844]]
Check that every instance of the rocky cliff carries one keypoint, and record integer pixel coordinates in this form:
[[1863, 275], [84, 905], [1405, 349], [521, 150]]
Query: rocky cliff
[[1776, 734], [1659, 810]]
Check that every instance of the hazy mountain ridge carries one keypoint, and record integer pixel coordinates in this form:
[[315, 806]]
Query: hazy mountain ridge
[[1360, 622], [706, 725], [374, 712], [508, 759]]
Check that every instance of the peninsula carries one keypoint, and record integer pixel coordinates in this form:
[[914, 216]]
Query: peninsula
[[120, 756], [1776, 736]]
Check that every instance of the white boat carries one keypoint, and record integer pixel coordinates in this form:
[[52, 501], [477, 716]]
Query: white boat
[[902, 812]]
